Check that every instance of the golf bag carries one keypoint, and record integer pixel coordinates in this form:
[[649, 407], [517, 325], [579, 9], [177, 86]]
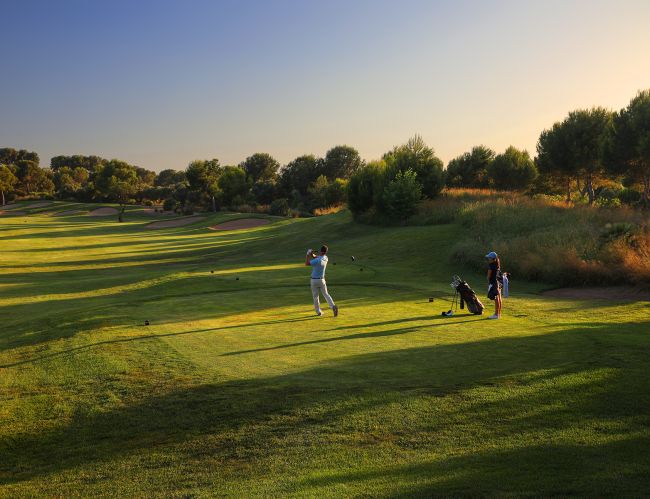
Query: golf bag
[[467, 296]]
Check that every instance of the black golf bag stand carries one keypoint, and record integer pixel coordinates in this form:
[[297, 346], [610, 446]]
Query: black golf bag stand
[[466, 295]]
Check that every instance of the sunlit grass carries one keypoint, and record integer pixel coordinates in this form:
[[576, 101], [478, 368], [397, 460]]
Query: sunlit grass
[[236, 388]]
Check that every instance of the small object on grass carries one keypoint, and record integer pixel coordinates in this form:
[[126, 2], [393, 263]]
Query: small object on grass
[[430, 299], [448, 313], [212, 271], [146, 323], [353, 259]]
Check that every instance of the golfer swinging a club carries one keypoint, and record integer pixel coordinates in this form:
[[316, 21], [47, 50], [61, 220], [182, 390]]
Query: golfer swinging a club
[[318, 284]]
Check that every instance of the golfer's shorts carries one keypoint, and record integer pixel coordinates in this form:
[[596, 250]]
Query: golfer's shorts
[[494, 291]]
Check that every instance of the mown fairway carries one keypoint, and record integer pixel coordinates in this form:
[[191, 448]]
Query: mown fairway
[[236, 388]]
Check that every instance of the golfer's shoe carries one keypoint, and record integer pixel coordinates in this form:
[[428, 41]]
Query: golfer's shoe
[[319, 314], [493, 316], [336, 310]]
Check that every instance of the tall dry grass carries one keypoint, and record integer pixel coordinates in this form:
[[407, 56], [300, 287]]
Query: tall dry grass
[[544, 239]]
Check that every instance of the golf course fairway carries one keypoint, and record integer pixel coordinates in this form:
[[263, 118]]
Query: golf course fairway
[[236, 388]]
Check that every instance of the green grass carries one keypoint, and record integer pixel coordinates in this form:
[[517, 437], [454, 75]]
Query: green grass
[[237, 389]]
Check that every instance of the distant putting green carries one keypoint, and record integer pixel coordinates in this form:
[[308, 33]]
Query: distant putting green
[[237, 389]]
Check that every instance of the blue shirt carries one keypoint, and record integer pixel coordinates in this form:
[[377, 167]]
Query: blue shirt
[[318, 265]]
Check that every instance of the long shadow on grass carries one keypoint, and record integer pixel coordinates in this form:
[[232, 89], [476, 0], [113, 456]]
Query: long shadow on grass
[[358, 336], [541, 470], [99, 344], [255, 420]]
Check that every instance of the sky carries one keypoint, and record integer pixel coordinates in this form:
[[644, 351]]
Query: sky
[[161, 83]]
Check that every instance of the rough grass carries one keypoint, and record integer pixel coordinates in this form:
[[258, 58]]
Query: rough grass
[[543, 239], [236, 389]]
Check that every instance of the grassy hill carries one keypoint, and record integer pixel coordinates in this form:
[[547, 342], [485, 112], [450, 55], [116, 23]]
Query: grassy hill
[[236, 388]]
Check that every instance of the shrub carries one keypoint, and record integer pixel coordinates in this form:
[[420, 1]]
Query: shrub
[[280, 207], [402, 195], [630, 196], [365, 187], [243, 208], [170, 204]]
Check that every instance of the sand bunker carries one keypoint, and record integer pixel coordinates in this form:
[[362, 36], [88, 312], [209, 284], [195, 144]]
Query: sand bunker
[[67, 212], [152, 212], [37, 205], [13, 213], [616, 293], [242, 223], [177, 222], [103, 212]]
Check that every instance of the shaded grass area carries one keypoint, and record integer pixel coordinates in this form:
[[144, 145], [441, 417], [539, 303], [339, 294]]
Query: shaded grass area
[[237, 389]]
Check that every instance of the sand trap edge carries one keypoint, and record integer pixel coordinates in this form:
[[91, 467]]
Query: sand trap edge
[[241, 224], [177, 222]]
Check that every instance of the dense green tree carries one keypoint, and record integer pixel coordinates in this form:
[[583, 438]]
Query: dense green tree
[[260, 167], [470, 169], [415, 155], [366, 186], [32, 178], [341, 162], [65, 182], [513, 169], [7, 182], [318, 192], [203, 177], [145, 177], [90, 163], [169, 177], [628, 149], [117, 181], [299, 174], [280, 207], [336, 191], [234, 185], [589, 131], [11, 156], [575, 147], [555, 155], [401, 195], [264, 192]]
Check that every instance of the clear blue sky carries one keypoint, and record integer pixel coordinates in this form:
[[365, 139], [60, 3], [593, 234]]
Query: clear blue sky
[[159, 83]]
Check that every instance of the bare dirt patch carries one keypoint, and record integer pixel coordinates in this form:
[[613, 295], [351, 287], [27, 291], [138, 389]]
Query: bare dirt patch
[[177, 222], [67, 212], [12, 213], [240, 224], [36, 205], [619, 293], [103, 212]]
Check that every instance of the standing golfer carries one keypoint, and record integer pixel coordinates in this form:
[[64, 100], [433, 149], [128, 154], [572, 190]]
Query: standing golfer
[[318, 284], [494, 287]]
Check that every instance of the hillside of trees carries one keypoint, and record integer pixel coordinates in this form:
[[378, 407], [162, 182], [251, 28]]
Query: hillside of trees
[[595, 155]]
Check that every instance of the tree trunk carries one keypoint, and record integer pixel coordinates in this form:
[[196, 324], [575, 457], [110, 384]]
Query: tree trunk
[[646, 189], [590, 189], [214, 204], [568, 189], [3, 198], [120, 218]]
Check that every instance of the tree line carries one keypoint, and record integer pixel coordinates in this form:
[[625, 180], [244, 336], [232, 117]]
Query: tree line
[[303, 185], [587, 152]]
